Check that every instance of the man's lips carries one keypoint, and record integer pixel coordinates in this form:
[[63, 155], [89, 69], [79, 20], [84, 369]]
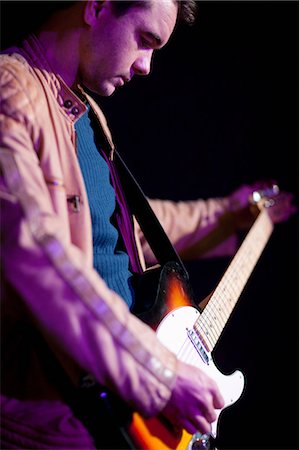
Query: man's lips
[[121, 81], [125, 79]]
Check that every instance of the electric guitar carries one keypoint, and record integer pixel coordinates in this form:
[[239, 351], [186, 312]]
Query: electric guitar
[[192, 336]]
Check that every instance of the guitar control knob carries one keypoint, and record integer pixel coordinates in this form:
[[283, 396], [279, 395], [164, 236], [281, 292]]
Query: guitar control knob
[[200, 441]]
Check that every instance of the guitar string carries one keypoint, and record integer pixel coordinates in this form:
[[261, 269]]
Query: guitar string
[[233, 281], [188, 353], [227, 296], [246, 259]]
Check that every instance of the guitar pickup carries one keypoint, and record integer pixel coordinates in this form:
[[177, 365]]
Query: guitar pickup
[[198, 346]]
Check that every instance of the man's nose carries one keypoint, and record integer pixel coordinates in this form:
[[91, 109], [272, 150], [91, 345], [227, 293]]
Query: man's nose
[[142, 64]]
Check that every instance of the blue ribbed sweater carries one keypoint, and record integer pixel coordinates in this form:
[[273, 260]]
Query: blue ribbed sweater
[[110, 261]]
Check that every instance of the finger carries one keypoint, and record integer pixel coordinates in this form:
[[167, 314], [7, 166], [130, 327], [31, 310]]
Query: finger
[[212, 399], [217, 399], [206, 408], [198, 423], [202, 424], [264, 185], [281, 212], [189, 427]]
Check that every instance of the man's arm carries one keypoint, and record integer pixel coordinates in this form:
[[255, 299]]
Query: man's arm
[[212, 227], [68, 302]]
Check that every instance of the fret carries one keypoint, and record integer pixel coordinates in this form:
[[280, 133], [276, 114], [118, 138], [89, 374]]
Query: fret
[[214, 317], [215, 323]]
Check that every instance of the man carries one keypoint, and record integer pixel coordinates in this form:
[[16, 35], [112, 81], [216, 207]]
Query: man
[[70, 249]]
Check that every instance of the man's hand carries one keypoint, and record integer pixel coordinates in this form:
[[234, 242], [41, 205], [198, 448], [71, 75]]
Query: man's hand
[[242, 204], [194, 399]]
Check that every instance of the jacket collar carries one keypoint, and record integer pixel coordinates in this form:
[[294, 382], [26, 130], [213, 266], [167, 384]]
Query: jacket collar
[[71, 103]]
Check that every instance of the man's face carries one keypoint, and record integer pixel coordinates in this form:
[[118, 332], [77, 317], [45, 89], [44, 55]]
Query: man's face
[[114, 49]]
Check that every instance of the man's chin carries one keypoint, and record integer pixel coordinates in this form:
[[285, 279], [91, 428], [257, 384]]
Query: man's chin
[[103, 91], [107, 90]]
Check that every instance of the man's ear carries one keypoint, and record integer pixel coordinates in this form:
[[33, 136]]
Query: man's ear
[[92, 10]]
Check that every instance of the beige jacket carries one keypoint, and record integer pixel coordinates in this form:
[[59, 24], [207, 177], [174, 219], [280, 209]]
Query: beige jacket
[[48, 279]]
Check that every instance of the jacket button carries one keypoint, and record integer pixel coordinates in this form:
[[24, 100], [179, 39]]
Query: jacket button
[[75, 110], [68, 103]]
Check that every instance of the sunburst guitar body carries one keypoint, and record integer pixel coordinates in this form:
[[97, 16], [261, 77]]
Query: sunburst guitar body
[[192, 336], [186, 332]]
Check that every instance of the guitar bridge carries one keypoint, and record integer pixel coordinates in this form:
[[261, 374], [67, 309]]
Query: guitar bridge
[[198, 346]]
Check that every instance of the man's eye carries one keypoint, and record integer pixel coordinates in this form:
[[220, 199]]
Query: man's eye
[[145, 43]]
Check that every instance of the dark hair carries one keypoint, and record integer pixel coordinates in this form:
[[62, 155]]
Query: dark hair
[[187, 9], [36, 12]]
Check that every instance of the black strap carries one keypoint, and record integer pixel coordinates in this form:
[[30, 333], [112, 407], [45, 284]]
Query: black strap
[[139, 206], [148, 221]]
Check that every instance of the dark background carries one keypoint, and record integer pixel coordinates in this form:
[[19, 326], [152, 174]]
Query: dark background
[[219, 110]]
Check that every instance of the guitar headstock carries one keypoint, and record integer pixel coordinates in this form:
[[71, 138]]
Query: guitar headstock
[[266, 196], [278, 203]]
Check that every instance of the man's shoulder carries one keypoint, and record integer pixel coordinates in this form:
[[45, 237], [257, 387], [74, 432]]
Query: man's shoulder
[[12, 62], [19, 88]]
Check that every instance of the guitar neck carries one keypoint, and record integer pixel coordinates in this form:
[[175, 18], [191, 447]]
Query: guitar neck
[[213, 319]]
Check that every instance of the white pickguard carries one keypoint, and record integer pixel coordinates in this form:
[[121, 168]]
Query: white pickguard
[[172, 332]]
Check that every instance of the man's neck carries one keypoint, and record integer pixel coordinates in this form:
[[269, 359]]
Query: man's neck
[[60, 37]]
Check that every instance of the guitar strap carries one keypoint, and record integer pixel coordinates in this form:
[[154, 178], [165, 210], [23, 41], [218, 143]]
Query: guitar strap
[[135, 199], [145, 216]]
